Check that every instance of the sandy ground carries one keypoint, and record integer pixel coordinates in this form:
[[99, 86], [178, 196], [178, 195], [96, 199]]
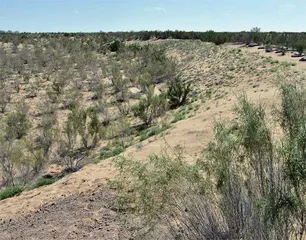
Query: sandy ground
[[68, 209], [87, 216], [278, 56]]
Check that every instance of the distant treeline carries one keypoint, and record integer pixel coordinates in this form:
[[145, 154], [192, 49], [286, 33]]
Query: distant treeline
[[288, 39]]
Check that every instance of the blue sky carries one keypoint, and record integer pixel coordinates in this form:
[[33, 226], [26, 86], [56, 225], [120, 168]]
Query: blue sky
[[117, 15]]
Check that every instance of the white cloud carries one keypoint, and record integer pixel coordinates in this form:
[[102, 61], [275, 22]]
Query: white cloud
[[155, 9]]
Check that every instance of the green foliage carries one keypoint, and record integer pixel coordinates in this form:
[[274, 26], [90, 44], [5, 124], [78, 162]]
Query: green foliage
[[178, 92], [146, 133], [108, 152], [10, 191]]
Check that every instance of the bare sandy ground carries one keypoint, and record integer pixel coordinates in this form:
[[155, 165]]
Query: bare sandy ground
[[277, 56], [86, 216]]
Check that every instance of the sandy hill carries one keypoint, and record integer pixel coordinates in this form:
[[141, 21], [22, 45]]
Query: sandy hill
[[80, 206]]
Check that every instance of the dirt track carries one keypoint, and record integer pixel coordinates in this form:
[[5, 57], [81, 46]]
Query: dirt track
[[77, 217]]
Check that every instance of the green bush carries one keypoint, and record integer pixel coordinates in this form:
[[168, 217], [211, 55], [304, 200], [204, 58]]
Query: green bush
[[150, 107], [115, 46], [178, 116], [17, 122], [10, 191], [145, 134], [108, 152]]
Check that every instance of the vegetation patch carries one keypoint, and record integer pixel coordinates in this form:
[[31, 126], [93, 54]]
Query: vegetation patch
[[42, 182], [11, 191]]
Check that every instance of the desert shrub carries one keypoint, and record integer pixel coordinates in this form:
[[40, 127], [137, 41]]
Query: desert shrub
[[5, 98], [16, 85], [99, 91], [153, 66], [247, 185], [124, 107], [52, 95], [150, 107], [71, 99], [178, 92], [11, 160], [151, 187], [101, 107], [17, 122], [115, 46], [40, 148], [79, 81], [61, 80], [34, 88], [108, 153], [119, 83], [178, 116], [10, 191], [87, 125], [67, 147], [146, 133]]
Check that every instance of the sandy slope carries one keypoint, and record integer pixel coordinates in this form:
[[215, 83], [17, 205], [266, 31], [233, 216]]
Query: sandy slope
[[192, 134]]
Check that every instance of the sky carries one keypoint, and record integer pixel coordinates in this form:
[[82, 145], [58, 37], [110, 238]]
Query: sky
[[128, 15]]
